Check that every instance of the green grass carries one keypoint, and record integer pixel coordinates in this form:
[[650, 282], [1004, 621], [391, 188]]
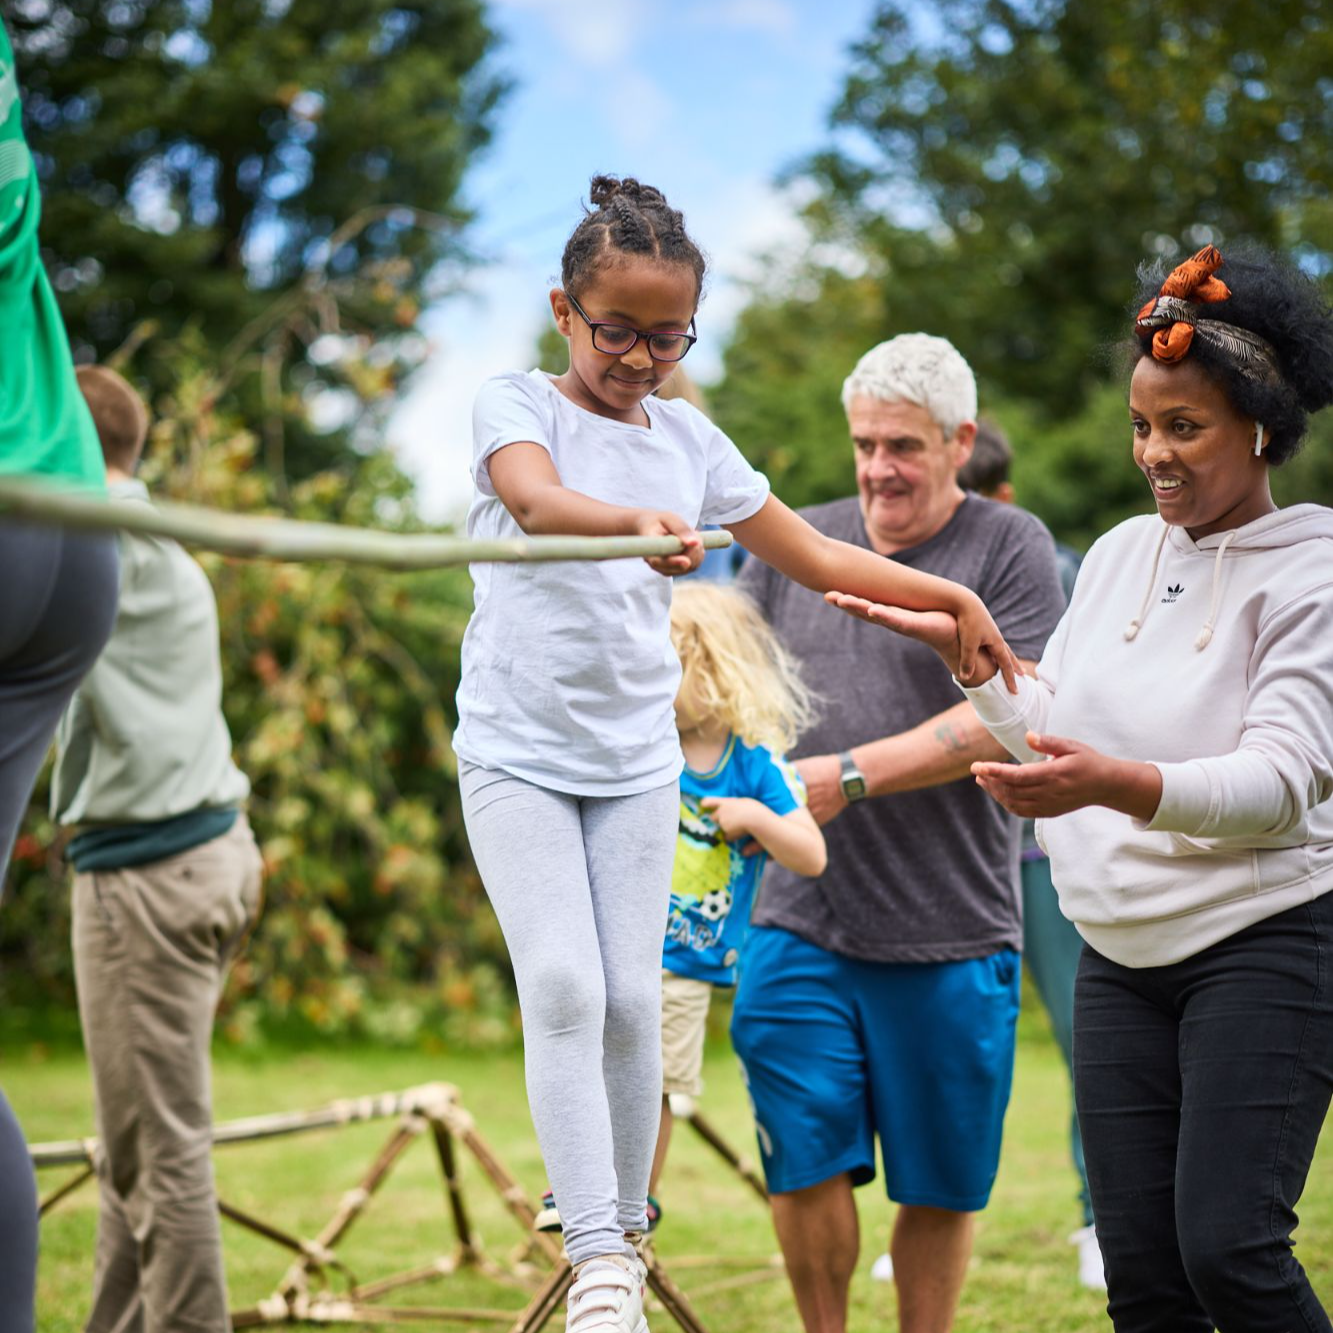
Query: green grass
[[1022, 1275]]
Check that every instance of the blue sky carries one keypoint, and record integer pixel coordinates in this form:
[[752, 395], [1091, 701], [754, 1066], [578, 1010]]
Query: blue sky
[[706, 99]]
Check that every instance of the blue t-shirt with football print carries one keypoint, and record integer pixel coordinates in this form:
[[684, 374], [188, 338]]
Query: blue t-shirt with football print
[[712, 884]]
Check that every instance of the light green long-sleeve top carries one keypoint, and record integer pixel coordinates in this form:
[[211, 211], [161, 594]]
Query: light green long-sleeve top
[[45, 429], [144, 739]]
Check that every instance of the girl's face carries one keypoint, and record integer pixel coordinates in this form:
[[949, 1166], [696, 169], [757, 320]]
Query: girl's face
[[637, 292], [1195, 449]]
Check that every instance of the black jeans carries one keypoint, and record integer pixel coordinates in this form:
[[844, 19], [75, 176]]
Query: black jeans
[[1201, 1089], [57, 606]]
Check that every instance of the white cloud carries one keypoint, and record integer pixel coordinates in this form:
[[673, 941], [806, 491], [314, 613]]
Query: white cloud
[[474, 337], [595, 33], [643, 110], [740, 225], [771, 16]]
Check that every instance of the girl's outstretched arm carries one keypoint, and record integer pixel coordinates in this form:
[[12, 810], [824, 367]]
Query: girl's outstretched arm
[[786, 541], [526, 480]]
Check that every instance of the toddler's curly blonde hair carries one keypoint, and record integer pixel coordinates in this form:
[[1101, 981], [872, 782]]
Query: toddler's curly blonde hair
[[734, 668]]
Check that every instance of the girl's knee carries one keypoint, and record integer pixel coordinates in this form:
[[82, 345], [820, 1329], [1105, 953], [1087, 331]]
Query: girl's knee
[[560, 998], [634, 1012]]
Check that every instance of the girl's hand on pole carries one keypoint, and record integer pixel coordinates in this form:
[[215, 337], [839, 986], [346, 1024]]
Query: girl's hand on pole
[[663, 523], [1074, 776]]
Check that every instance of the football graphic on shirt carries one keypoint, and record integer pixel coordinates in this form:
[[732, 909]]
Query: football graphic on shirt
[[701, 876], [714, 904]]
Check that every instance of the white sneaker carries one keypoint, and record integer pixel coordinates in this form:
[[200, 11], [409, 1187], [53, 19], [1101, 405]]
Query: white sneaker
[[882, 1269], [1091, 1273], [607, 1298]]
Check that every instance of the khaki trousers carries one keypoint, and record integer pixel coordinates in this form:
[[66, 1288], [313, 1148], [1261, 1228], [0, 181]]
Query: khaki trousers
[[152, 945]]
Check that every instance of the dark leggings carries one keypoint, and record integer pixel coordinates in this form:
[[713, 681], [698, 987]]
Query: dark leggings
[[1202, 1087], [57, 606]]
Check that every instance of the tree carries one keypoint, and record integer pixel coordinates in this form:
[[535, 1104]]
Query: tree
[[780, 396], [338, 689], [1010, 163], [803, 331], [198, 157]]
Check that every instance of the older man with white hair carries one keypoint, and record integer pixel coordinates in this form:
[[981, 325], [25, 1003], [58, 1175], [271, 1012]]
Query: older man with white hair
[[880, 999]]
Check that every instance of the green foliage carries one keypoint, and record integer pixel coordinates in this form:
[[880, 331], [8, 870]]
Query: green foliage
[[552, 351], [800, 336], [1010, 164], [338, 687], [999, 171], [781, 392], [196, 158]]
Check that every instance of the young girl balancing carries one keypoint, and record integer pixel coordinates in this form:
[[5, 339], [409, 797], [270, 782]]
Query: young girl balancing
[[740, 705], [569, 758]]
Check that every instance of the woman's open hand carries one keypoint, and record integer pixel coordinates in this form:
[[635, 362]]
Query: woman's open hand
[[1075, 775]]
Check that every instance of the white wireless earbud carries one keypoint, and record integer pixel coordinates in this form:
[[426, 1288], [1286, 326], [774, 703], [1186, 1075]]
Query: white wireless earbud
[[1258, 438]]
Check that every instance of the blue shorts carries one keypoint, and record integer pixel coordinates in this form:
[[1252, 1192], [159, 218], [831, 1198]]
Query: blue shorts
[[836, 1051]]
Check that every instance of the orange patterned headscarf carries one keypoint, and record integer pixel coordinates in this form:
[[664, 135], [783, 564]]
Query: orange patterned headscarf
[[1173, 319]]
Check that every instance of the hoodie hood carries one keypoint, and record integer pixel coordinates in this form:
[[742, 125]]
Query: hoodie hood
[[1279, 530], [1282, 528]]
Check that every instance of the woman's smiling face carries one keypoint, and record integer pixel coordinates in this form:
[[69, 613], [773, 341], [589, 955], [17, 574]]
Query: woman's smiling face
[[1195, 449]]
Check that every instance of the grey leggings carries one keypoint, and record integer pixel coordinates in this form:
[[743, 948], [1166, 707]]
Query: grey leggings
[[56, 612], [580, 886]]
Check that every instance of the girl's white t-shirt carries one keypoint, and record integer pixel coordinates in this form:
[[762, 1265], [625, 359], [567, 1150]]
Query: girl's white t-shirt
[[569, 676]]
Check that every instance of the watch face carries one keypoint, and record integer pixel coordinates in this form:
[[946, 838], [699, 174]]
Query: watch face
[[854, 788]]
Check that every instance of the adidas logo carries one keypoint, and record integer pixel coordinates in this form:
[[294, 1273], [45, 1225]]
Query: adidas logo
[[1173, 592]]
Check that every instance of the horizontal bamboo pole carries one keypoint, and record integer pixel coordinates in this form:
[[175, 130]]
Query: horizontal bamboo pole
[[430, 1099], [291, 539]]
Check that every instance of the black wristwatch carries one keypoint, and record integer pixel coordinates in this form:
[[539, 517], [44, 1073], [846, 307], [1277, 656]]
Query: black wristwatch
[[851, 779]]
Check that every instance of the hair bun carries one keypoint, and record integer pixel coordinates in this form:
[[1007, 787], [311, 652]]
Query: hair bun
[[604, 189]]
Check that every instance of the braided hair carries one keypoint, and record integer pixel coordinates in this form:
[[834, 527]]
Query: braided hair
[[1270, 297], [629, 218]]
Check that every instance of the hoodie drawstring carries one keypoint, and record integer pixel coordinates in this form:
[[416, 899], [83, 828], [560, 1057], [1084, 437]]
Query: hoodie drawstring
[[1205, 636], [1206, 633], [1132, 629]]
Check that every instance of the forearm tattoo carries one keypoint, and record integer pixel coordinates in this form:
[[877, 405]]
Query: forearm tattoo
[[950, 739]]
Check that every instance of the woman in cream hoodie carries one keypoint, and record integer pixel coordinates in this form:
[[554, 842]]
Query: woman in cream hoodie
[[1183, 719]]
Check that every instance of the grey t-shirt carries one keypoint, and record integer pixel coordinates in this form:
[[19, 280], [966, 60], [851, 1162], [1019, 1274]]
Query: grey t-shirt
[[924, 876]]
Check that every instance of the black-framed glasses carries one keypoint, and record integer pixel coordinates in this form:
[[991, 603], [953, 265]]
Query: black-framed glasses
[[617, 339]]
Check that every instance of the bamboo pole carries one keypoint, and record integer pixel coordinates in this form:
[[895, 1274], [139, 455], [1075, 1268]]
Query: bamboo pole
[[64, 1190], [295, 540], [741, 1165], [428, 1099]]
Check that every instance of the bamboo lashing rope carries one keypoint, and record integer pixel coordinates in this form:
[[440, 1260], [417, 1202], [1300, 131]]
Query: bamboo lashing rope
[[300, 540]]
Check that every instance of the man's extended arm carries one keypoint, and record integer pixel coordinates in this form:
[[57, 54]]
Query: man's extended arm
[[941, 749]]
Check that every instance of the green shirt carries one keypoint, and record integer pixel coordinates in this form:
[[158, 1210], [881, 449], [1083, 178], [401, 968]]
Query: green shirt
[[45, 428]]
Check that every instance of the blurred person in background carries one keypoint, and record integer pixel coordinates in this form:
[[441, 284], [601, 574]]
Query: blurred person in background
[[166, 887]]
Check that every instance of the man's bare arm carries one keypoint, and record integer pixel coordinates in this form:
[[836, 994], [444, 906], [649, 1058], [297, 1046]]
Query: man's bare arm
[[941, 749]]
